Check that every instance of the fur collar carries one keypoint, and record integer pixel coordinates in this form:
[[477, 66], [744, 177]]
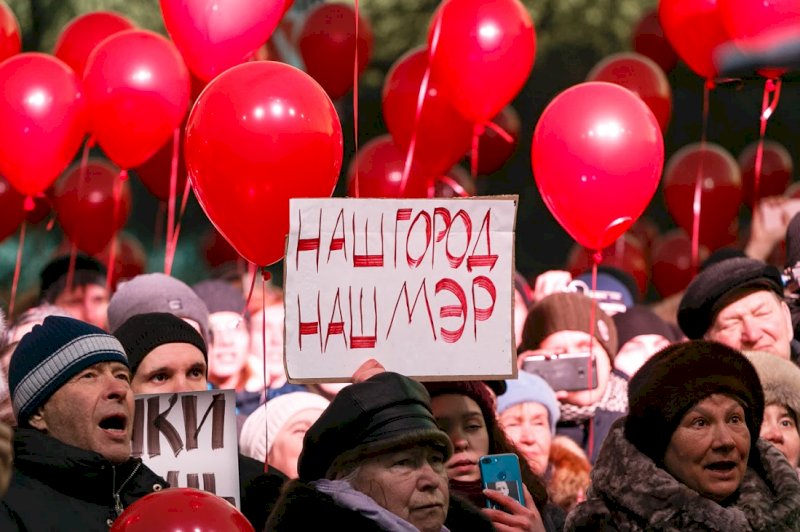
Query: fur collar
[[631, 492]]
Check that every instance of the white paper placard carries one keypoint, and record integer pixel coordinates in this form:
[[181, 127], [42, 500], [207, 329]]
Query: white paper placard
[[425, 286], [190, 440]]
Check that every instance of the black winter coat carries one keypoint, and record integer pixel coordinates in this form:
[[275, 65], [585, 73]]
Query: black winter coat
[[301, 507], [56, 486]]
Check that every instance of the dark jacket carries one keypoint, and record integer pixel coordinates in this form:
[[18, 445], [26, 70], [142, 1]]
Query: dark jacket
[[629, 492], [301, 507], [56, 486]]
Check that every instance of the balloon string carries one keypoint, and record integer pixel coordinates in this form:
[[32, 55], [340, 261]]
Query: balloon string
[[767, 108], [112, 254], [15, 282], [355, 102], [477, 131], [252, 274], [423, 91], [173, 245], [81, 184], [455, 185], [173, 185], [597, 258], [698, 182], [264, 352], [505, 135]]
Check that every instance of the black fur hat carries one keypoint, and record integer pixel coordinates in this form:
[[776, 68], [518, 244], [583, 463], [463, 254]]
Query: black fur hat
[[678, 377]]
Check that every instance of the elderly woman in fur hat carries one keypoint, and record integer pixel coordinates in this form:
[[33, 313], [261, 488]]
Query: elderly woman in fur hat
[[687, 457], [375, 460], [781, 382]]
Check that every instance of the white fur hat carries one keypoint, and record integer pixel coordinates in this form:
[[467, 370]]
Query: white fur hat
[[255, 441]]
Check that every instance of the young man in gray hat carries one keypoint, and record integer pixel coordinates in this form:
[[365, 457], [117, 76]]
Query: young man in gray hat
[[739, 302], [70, 387]]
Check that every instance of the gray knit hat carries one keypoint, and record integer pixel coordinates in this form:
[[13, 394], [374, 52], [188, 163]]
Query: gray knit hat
[[156, 292], [221, 296], [50, 355]]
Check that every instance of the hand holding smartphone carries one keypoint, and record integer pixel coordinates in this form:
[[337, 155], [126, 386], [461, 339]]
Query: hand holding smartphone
[[501, 472]]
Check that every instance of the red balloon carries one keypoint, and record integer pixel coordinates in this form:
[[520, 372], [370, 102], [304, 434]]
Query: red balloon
[[214, 35], [130, 258], [694, 28], [597, 153], [43, 121], [156, 171], [721, 194], [328, 46], [217, 250], [493, 149], [181, 509], [483, 54], [443, 136], [626, 254], [457, 183], [380, 172], [672, 262], [776, 170], [138, 92], [11, 207], [82, 35], [10, 41], [640, 75], [649, 40], [86, 209], [751, 22], [260, 134]]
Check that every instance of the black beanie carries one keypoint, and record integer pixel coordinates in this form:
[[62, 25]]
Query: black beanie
[[142, 333], [678, 377], [640, 320], [87, 270], [719, 285]]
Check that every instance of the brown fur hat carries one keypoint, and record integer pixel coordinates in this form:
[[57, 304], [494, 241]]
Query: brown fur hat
[[570, 475], [780, 379]]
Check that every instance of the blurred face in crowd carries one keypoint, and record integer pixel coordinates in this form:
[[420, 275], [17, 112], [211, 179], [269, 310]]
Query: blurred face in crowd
[[461, 418], [92, 411], [780, 428], [411, 483], [288, 442], [229, 347], [637, 351], [520, 313], [88, 303], [169, 368], [578, 342], [708, 451], [528, 426], [758, 321], [270, 321]]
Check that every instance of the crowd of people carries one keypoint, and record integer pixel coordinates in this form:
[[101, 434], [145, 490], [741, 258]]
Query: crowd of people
[[681, 421]]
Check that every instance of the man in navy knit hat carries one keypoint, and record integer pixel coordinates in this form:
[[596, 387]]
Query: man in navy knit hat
[[71, 394]]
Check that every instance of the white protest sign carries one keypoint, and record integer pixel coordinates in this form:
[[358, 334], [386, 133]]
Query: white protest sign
[[425, 286], [190, 440]]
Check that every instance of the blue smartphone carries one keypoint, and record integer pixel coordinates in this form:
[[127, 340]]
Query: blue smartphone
[[500, 472]]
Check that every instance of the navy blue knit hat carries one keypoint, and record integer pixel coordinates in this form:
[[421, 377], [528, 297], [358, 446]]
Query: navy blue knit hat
[[51, 354]]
